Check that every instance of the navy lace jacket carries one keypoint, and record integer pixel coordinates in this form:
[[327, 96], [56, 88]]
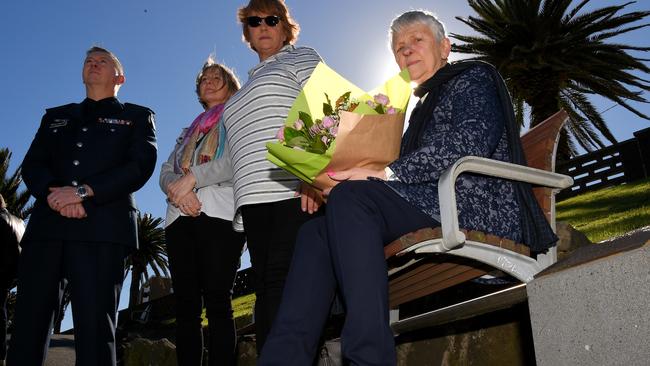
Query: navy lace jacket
[[467, 120]]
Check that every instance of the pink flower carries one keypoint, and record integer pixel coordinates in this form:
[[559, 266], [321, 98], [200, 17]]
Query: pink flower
[[324, 139], [314, 129], [371, 104], [334, 131], [391, 110], [382, 99], [328, 122], [280, 134], [298, 125]]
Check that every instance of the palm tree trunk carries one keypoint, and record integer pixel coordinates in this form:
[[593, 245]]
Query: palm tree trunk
[[63, 305], [543, 98], [542, 110], [134, 289]]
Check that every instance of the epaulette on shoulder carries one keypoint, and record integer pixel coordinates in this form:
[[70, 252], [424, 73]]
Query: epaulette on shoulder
[[61, 108], [136, 107]]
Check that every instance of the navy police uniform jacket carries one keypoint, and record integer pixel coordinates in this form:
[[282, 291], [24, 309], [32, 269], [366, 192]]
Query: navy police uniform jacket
[[105, 144]]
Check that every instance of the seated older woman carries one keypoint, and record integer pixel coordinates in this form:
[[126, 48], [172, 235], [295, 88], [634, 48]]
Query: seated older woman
[[464, 110]]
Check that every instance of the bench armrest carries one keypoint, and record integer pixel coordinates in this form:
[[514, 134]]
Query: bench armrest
[[452, 237]]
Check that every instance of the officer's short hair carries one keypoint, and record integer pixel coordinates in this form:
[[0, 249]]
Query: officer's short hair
[[227, 75], [3, 204], [116, 61]]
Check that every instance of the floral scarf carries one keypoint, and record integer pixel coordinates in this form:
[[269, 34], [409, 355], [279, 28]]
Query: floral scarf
[[206, 125]]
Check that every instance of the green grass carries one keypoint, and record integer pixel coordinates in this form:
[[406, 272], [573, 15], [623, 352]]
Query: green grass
[[608, 212], [242, 308]]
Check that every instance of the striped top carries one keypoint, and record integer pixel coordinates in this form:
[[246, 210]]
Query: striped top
[[252, 118]]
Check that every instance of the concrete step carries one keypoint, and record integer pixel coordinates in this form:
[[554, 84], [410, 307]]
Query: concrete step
[[592, 309]]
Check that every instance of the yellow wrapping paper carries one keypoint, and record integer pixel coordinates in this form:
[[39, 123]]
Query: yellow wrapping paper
[[365, 138]]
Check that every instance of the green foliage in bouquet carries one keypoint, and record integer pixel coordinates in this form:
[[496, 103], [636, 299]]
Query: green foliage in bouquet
[[316, 136]]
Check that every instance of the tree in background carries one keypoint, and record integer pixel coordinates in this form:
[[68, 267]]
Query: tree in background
[[151, 253], [17, 204], [63, 305], [15, 198], [554, 57]]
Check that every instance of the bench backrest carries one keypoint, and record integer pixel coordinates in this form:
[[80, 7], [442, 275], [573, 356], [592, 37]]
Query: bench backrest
[[540, 147]]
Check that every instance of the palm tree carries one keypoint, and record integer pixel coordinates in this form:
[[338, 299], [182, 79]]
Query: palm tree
[[152, 253], [15, 198], [63, 305], [554, 57], [11, 309]]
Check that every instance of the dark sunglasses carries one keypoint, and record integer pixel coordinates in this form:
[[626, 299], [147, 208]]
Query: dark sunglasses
[[271, 21]]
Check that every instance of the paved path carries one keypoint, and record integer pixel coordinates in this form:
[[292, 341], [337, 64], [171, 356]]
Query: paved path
[[61, 352]]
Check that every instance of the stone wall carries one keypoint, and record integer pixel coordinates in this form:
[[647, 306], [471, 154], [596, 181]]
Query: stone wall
[[500, 338]]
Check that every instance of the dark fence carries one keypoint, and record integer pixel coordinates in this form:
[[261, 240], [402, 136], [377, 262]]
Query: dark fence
[[623, 162], [243, 283]]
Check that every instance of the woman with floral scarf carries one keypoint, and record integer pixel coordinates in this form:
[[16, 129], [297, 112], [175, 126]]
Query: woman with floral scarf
[[203, 249]]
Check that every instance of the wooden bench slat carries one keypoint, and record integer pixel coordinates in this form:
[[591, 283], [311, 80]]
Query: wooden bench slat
[[400, 281], [433, 283], [429, 273]]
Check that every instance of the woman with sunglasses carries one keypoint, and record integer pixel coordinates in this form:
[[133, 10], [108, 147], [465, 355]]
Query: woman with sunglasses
[[203, 249], [265, 195]]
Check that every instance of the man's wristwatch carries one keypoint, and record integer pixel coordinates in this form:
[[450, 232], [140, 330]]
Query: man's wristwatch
[[82, 192]]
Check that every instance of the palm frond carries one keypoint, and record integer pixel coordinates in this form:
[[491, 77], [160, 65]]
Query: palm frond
[[151, 254], [10, 187], [552, 54]]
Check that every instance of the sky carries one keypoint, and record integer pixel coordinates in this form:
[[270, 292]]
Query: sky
[[163, 43]]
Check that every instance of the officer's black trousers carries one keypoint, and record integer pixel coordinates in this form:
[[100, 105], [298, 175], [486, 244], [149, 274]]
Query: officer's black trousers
[[95, 272]]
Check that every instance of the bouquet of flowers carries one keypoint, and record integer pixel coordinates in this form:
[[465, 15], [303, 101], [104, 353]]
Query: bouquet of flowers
[[357, 130]]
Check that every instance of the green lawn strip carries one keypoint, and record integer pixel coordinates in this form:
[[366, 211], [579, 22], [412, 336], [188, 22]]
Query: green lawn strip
[[242, 311], [242, 307], [608, 212]]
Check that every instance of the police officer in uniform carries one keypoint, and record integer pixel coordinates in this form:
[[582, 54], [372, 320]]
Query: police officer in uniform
[[83, 166]]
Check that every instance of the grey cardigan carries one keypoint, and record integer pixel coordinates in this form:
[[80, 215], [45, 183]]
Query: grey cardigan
[[213, 183]]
